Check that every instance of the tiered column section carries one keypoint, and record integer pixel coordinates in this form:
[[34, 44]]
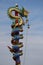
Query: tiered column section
[[15, 33]]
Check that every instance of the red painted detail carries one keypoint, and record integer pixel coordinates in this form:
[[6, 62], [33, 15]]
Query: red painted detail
[[16, 14]]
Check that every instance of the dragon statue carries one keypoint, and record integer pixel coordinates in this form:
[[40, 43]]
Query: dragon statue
[[17, 26]]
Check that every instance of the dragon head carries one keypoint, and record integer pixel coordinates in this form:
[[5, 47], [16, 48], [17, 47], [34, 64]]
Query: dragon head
[[24, 13]]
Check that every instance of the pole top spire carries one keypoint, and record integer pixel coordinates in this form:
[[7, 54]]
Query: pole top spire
[[16, 5]]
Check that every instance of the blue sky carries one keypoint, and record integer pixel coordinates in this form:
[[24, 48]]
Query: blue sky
[[33, 52]]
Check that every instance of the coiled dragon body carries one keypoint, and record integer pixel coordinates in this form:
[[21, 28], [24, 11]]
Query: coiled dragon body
[[24, 14]]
